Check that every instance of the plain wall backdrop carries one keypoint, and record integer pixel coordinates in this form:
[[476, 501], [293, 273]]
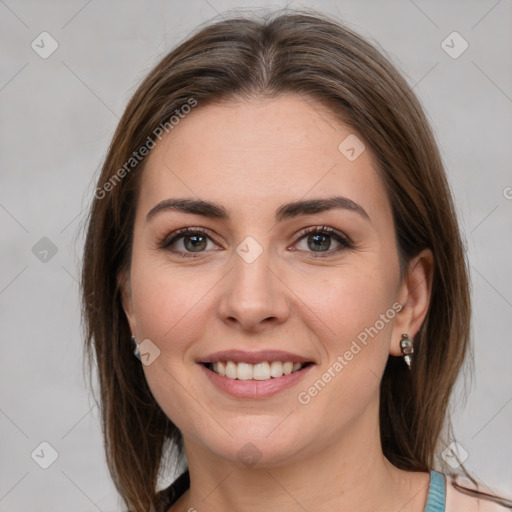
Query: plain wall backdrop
[[58, 112]]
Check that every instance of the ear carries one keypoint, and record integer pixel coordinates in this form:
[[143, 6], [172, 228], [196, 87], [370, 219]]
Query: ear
[[125, 290], [414, 296]]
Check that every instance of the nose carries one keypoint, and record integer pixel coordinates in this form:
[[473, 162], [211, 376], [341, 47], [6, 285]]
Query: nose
[[254, 296]]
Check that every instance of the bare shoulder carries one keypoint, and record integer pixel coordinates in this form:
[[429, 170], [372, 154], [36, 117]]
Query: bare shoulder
[[460, 500]]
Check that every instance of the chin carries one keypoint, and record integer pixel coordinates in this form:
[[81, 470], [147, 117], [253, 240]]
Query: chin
[[257, 446]]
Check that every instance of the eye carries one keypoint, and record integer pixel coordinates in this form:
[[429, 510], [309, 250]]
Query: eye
[[187, 241], [319, 240]]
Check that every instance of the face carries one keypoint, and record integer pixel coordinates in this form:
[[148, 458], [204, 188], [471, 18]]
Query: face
[[263, 276]]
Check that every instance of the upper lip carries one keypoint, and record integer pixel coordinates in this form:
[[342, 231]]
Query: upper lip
[[239, 356]]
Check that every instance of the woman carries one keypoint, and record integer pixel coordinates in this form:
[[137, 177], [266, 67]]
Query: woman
[[274, 232]]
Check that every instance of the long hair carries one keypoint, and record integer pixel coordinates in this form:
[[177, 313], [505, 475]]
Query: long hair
[[310, 54]]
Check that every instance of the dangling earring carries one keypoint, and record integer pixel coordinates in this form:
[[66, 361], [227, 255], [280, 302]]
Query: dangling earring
[[406, 344], [136, 350]]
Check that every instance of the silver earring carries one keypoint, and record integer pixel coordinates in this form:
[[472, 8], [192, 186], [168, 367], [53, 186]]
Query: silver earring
[[406, 344], [136, 350]]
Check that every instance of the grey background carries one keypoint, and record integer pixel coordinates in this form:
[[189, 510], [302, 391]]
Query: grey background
[[57, 118]]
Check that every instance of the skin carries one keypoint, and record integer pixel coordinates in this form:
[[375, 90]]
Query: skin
[[251, 157]]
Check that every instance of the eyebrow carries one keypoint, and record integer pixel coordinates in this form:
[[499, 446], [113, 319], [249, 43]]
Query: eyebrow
[[284, 212]]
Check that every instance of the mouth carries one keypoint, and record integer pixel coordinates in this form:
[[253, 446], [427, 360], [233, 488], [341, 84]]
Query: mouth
[[262, 371]]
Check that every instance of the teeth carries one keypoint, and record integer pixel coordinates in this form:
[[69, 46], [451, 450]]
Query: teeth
[[244, 371], [221, 368], [231, 372], [276, 369], [260, 371]]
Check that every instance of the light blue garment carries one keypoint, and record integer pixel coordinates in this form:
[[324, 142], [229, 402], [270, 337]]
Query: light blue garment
[[436, 499]]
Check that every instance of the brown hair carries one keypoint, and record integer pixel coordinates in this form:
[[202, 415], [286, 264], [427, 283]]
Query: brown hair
[[312, 55]]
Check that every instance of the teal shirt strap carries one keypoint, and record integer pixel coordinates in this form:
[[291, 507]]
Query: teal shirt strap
[[436, 500]]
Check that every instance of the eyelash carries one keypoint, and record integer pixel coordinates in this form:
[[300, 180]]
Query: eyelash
[[324, 230]]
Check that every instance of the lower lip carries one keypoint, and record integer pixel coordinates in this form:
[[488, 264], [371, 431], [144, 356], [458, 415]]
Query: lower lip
[[255, 388]]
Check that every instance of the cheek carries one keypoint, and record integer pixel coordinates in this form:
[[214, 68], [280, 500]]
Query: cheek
[[173, 305], [167, 301], [349, 301], [357, 310], [169, 306]]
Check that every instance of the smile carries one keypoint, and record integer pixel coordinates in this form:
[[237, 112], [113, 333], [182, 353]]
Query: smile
[[255, 381], [264, 370]]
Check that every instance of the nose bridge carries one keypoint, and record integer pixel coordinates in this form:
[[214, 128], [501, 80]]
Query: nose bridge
[[253, 295]]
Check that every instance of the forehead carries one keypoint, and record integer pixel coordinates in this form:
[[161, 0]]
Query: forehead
[[250, 152]]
